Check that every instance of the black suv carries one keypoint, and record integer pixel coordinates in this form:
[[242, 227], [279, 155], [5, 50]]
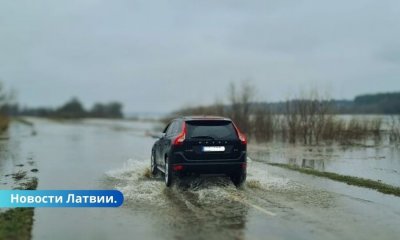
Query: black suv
[[200, 145]]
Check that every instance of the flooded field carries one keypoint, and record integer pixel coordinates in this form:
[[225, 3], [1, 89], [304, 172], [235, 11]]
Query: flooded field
[[377, 162], [274, 204]]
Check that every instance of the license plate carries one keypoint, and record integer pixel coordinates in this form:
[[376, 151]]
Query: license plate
[[214, 149]]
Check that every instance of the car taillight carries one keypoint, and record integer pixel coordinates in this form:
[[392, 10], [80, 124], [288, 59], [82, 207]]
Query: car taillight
[[181, 136], [241, 136], [177, 168]]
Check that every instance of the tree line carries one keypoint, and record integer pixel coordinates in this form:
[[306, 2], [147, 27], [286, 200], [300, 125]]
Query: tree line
[[380, 103], [71, 109]]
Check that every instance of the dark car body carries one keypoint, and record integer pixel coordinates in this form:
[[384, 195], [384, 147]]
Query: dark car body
[[201, 145]]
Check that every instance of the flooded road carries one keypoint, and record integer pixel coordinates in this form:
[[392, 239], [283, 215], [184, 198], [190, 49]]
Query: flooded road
[[274, 204]]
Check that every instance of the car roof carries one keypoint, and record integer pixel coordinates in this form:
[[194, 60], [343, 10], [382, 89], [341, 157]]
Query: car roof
[[204, 118]]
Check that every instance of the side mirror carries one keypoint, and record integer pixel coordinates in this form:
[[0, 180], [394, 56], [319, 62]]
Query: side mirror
[[158, 135]]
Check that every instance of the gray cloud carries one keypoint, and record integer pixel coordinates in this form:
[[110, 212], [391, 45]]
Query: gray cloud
[[158, 57]]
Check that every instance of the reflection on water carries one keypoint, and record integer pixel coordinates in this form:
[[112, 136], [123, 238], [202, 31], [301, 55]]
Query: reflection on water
[[380, 162], [12, 161]]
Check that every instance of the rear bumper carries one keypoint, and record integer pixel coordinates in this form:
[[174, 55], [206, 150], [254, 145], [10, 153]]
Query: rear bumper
[[179, 157], [210, 168], [225, 166]]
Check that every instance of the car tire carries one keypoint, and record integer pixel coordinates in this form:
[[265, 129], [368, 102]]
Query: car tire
[[238, 178], [168, 176], [153, 165]]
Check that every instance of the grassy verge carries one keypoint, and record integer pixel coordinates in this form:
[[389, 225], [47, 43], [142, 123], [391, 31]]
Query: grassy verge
[[4, 122], [23, 121], [356, 181], [16, 223]]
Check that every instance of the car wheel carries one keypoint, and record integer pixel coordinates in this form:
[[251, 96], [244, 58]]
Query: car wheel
[[153, 166], [238, 178], [168, 173]]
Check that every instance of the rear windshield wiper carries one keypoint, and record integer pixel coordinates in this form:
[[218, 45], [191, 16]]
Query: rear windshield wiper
[[203, 137]]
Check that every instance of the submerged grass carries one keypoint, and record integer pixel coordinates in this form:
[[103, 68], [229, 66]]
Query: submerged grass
[[19, 175], [16, 223], [351, 180], [30, 185], [253, 184]]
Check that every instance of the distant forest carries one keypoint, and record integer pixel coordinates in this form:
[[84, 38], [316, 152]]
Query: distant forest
[[71, 109], [381, 103]]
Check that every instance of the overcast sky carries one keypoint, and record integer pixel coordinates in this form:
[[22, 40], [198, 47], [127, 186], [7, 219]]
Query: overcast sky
[[161, 55]]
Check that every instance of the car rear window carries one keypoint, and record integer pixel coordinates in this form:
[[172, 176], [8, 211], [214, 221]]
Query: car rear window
[[214, 129]]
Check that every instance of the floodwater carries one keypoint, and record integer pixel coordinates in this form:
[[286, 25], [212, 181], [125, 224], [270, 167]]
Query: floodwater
[[274, 204], [379, 162]]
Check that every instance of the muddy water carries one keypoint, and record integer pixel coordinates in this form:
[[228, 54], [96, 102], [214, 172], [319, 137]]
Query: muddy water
[[275, 203]]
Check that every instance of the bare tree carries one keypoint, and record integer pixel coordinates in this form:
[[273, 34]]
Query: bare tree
[[394, 129], [240, 101], [306, 117], [219, 108], [292, 120], [5, 99], [263, 124]]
